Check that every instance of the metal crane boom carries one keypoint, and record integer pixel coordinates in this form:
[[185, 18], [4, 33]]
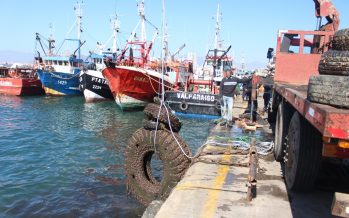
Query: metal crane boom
[[325, 8]]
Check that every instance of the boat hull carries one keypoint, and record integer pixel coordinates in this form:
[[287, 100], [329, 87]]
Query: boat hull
[[193, 103], [94, 86], [133, 87], [20, 86], [58, 83]]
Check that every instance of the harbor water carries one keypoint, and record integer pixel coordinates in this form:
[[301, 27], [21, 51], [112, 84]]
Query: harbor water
[[64, 157]]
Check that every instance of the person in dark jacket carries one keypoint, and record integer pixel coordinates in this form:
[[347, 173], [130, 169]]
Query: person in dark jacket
[[226, 92], [266, 96], [249, 91]]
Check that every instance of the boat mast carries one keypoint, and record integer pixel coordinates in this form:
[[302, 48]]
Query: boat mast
[[141, 13], [78, 13], [217, 44], [51, 41], [116, 28]]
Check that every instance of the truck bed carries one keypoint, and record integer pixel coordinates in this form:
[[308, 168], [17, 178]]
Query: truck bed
[[329, 120]]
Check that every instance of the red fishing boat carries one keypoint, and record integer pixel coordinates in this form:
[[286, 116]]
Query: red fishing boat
[[133, 79], [19, 81]]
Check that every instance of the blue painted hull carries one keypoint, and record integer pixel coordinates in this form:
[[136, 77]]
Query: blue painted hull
[[58, 83]]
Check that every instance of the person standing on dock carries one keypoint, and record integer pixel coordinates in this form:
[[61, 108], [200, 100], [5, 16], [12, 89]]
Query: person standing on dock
[[226, 93]]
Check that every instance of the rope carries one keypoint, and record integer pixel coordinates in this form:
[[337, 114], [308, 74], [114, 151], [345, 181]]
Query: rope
[[263, 148]]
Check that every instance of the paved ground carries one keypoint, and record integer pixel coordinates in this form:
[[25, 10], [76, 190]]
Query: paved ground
[[220, 190]]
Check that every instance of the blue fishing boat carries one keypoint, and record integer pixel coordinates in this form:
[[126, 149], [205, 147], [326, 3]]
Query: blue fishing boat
[[59, 75]]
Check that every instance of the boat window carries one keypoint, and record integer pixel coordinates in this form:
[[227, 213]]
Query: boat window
[[55, 62], [50, 62], [65, 63], [60, 63]]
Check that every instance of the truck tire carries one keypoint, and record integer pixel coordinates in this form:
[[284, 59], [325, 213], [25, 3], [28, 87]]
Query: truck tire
[[141, 180], [303, 154], [283, 118], [341, 40], [331, 90], [152, 110], [334, 63]]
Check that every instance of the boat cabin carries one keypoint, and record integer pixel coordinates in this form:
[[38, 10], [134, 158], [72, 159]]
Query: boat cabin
[[62, 61]]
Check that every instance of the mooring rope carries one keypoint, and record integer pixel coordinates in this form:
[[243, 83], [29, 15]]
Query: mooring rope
[[263, 148]]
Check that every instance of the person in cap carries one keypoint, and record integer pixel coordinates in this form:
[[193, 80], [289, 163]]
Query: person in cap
[[226, 93]]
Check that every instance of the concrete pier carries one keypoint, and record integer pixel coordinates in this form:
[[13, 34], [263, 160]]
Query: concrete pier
[[219, 189], [217, 185]]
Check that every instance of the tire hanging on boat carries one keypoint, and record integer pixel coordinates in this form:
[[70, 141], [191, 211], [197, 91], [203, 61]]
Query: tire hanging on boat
[[152, 111], [183, 106], [141, 182]]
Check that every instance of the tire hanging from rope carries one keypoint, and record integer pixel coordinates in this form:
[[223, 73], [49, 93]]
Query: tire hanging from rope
[[141, 180]]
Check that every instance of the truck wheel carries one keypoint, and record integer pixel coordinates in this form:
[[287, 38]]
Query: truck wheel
[[303, 154], [341, 40], [332, 90], [283, 117], [334, 63]]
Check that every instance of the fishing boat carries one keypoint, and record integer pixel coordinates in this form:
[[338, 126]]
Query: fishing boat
[[19, 80], [92, 83], [60, 74], [134, 79], [203, 97]]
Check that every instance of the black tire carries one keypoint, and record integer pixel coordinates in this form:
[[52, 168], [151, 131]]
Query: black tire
[[334, 63], [303, 154], [183, 106], [141, 182], [151, 125], [331, 90], [341, 40], [152, 110], [283, 118]]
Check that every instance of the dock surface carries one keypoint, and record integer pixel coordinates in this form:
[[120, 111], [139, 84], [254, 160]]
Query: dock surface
[[217, 185]]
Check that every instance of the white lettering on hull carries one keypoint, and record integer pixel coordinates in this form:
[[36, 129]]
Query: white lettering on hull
[[195, 96]]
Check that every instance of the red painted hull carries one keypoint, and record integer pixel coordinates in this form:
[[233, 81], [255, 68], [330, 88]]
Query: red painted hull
[[20, 86], [132, 87]]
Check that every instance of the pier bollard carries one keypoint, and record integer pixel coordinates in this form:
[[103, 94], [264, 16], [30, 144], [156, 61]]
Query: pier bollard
[[252, 175]]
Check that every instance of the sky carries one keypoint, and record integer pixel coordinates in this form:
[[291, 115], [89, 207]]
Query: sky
[[249, 26]]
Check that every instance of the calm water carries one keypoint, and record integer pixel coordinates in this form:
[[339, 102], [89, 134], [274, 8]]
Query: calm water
[[64, 157]]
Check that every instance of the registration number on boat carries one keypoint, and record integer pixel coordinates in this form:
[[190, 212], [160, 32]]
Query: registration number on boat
[[96, 87], [62, 82]]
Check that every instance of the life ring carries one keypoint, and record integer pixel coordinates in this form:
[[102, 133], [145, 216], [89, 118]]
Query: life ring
[[218, 104], [183, 106], [143, 182]]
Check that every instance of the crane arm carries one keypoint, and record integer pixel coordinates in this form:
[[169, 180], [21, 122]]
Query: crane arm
[[325, 8]]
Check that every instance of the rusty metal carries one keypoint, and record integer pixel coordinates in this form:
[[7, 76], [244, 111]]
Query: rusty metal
[[296, 67], [330, 121], [252, 175]]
